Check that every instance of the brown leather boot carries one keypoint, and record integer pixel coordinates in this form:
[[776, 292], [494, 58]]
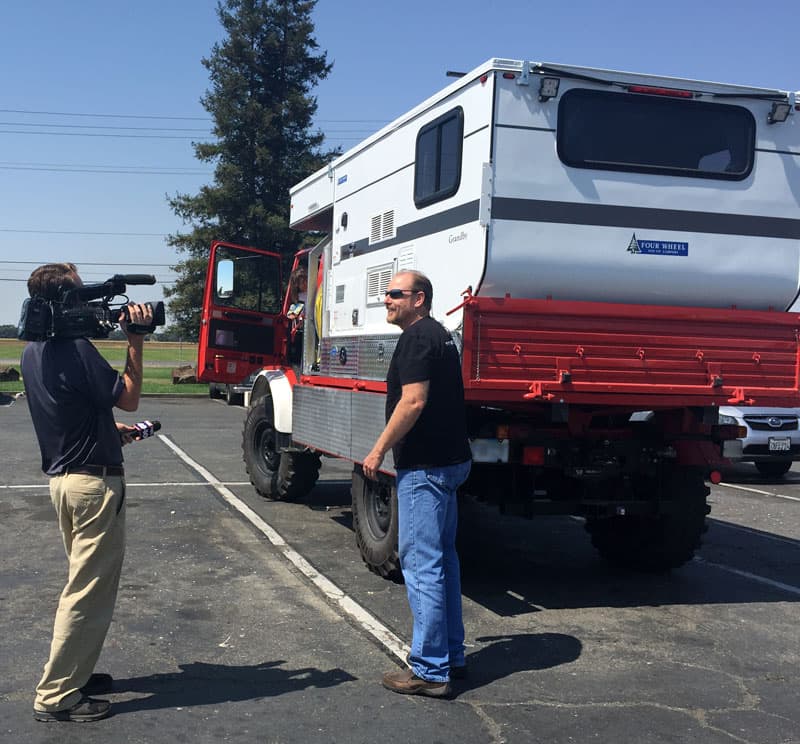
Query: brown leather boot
[[407, 683]]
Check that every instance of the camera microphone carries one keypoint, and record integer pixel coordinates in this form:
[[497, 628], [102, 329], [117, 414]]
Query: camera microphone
[[145, 429], [133, 279]]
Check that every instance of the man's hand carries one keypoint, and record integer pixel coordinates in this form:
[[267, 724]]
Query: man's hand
[[372, 463], [413, 398], [139, 315], [126, 433], [132, 375]]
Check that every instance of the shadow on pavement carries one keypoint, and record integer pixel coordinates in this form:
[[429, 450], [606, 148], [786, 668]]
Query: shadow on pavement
[[509, 654], [202, 684]]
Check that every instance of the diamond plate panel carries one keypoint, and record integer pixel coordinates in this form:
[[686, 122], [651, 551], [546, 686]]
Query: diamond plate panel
[[340, 422], [375, 355], [321, 419], [361, 357], [369, 418]]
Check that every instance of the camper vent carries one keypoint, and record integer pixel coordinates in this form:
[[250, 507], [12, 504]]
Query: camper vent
[[378, 279], [382, 227]]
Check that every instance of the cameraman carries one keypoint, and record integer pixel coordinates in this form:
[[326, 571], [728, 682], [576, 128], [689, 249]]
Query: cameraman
[[71, 391]]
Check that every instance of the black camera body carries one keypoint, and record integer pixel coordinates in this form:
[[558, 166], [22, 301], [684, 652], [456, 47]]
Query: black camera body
[[85, 312]]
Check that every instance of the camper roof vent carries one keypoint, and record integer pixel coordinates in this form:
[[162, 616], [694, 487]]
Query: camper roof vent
[[382, 227]]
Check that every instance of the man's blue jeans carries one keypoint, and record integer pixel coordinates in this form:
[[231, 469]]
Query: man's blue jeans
[[428, 517]]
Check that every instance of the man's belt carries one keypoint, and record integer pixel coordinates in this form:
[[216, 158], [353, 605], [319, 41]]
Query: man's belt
[[101, 471]]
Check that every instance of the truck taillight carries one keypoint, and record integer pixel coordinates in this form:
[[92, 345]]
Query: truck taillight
[[533, 455], [654, 91]]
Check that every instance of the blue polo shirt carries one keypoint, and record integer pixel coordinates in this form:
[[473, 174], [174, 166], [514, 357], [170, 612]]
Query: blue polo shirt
[[71, 391]]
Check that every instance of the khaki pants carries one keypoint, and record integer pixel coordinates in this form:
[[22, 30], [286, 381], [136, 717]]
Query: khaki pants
[[91, 516]]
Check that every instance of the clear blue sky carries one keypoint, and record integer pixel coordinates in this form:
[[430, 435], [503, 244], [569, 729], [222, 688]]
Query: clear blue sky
[[100, 100]]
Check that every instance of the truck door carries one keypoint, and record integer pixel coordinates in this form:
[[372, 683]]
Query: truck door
[[242, 329]]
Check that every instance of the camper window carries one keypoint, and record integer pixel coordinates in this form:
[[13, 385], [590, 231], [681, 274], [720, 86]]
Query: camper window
[[437, 170], [652, 134]]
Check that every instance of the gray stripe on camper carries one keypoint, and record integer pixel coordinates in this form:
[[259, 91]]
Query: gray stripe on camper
[[536, 210], [601, 215], [447, 220]]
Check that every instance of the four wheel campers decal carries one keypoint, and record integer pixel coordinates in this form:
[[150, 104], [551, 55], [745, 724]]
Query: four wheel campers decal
[[657, 247]]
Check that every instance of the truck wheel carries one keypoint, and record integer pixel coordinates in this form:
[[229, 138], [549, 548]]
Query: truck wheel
[[280, 476], [661, 542], [375, 525], [231, 398], [773, 468]]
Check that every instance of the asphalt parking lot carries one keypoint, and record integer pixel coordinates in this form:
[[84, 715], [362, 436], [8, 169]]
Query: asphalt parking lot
[[218, 637]]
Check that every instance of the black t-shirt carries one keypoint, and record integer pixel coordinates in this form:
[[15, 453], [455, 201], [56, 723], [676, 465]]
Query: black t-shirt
[[425, 351], [71, 392]]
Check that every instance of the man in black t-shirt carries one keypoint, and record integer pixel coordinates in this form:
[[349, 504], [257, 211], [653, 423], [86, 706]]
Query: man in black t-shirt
[[71, 391], [427, 432]]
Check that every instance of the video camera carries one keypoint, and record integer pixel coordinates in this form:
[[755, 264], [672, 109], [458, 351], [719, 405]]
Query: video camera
[[85, 311]]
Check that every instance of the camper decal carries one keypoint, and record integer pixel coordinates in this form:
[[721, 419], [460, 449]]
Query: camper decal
[[657, 247]]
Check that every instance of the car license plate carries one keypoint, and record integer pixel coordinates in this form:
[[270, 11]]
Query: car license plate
[[780, 444]]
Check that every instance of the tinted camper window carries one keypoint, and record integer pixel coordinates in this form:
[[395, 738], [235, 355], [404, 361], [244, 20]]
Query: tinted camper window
[[437, 169], [655, 134]]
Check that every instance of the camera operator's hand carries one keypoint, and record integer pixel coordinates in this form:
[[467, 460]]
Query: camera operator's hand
[[141, 315], [127, 434], [132, 375]]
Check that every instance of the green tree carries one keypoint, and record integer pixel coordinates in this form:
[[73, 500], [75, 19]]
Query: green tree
[[262, 75]]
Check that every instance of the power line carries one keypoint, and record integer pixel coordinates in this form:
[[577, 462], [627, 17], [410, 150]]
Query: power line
[[98, 134], [92, 165], [71, 169], [78, 232], [87, 263], [170, 118], [91, 276], [106, 116], [98, 126]]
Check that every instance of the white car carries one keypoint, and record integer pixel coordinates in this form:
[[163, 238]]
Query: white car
[[772, 441]]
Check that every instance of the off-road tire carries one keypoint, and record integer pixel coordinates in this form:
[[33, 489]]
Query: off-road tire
[[231, 398], [656, 543], [276, 475], [375, 518], [773, 468]]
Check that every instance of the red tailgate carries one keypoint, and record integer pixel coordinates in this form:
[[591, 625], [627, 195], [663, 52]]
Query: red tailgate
[[636, 356]]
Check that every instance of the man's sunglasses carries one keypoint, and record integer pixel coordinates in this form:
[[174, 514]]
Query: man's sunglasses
[[396, 294]]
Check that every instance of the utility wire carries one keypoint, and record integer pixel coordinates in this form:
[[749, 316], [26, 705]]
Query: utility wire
[[71, 169], [105, 116], [78, 232], [87, 263], [98, 126], [97, 134], [170, 118]]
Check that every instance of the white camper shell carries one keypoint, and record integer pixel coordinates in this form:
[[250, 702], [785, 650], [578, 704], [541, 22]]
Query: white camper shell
[[540, 180]]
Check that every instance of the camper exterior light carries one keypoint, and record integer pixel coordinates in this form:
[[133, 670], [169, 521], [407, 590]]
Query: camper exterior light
[[778, 113], [548, 88]]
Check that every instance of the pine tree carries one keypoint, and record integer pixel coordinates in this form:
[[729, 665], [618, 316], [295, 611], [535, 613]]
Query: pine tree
[[260, 99]]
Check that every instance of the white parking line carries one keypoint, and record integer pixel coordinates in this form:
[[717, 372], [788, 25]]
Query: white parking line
[[758, 491], [753, 577], [366, 620], [758, 533]]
